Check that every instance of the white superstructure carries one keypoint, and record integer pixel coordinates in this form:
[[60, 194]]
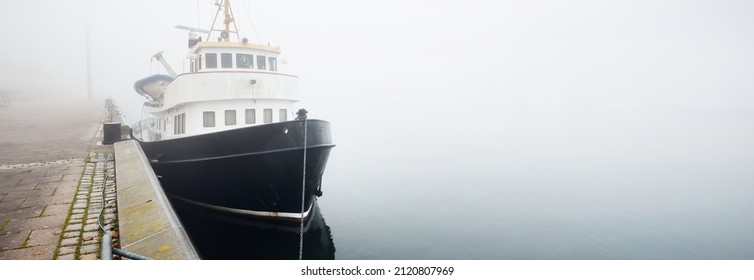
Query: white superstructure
[[229, 85]]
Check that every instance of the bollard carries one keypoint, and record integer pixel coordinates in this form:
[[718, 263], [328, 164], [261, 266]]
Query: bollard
[[111, 133], [107, 247]]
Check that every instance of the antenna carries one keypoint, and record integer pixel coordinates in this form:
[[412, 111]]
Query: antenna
[[194, 29]]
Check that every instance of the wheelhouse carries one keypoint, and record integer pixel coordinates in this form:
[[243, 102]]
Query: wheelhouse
[[231, 56]]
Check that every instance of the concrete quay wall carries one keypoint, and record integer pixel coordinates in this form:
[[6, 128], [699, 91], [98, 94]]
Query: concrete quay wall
[[148, 224]]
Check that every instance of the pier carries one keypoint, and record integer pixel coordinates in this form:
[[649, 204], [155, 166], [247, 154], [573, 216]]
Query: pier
[[58, 188]]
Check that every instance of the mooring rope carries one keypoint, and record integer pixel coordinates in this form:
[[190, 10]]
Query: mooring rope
[[303, 190]]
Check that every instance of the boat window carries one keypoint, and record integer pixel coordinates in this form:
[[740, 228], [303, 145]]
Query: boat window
[[230, 117], [209, 119], [165, 124], [226, 60], [283, 114], [211, 60], [261, 65], [251, 116], [267, 115], [244, 60], [273, 64], [179, 124]]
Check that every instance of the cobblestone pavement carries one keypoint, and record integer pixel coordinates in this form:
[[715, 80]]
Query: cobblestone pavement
[[44, 149], [82, 232]]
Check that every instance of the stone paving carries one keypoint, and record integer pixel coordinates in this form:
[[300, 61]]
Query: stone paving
[[82, 234], [52, 179]]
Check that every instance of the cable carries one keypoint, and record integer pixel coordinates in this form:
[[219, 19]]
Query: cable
[[251, 22], [303, 190], [102, 209], [107, 240]]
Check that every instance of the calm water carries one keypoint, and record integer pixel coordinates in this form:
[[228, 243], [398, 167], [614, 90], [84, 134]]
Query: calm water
[[222, 237], [526, 184]]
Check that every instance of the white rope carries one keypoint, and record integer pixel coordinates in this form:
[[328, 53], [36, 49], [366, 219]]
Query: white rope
[[303, 190]]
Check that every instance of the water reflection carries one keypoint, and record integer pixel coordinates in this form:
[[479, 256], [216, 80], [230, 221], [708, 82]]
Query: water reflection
[[219, 237]]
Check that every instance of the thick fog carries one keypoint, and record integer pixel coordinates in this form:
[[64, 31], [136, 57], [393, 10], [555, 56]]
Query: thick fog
[[430, 76], [442, 79], [640, 111], [477, 56]]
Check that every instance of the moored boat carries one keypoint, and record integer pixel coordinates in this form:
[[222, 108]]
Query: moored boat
[[225, 136]]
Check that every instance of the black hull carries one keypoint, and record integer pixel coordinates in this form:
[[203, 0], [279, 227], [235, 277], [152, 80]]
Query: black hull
[[255, 240], [254, 171]]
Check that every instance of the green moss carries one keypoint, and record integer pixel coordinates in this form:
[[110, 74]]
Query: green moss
[[26, 241], [5, 223], [43, 211]]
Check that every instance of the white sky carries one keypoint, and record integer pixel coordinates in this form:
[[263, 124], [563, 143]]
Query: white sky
[[356, 56]]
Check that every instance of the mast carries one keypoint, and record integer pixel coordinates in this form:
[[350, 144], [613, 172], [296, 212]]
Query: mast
[[228, 19]]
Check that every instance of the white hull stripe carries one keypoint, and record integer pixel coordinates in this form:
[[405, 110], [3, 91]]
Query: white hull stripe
[[283, 215]]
